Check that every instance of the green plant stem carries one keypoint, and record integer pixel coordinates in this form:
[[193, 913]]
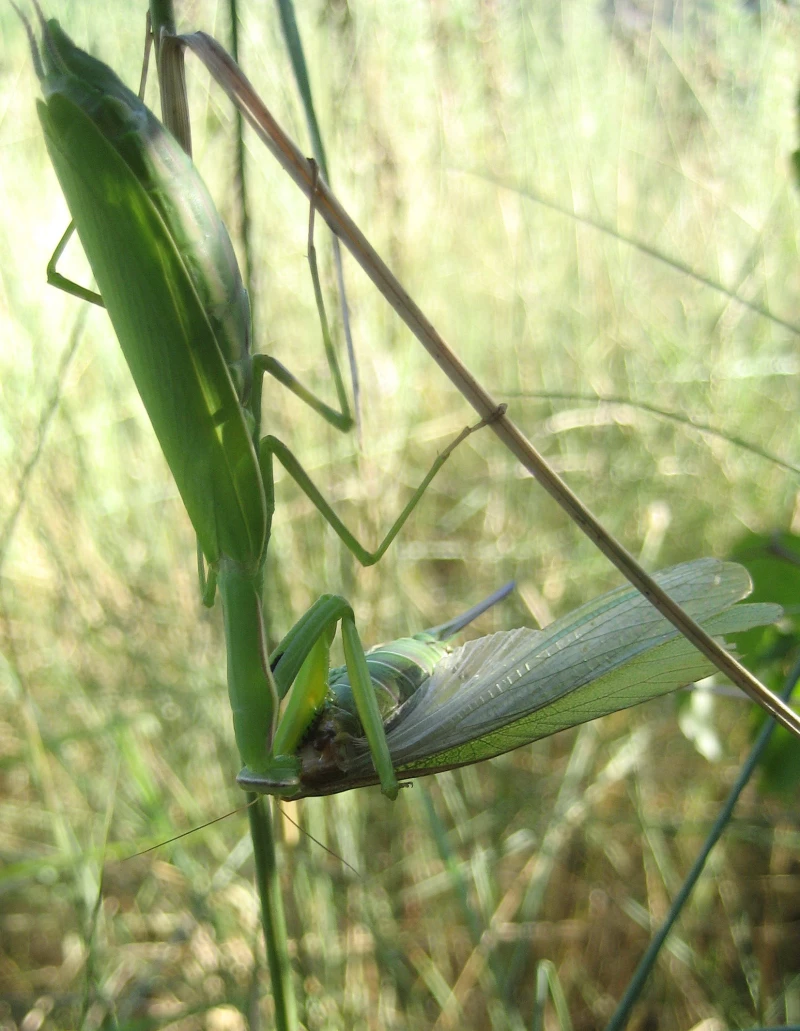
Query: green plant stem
[[245, 637], [162, 15], [647, 962], [240, 177], [272, 916]]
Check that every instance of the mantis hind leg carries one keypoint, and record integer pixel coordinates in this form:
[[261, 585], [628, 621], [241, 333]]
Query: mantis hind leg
[[339, 417]]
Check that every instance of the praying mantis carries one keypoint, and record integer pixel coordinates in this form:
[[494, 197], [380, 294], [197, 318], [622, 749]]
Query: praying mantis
[[181, 314], [168, 277], [351, 775]]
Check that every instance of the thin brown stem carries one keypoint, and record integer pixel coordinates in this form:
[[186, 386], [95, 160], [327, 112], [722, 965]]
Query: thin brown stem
[[301, 170]]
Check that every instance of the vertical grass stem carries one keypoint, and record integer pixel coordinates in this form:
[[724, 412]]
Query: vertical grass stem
[[272, 916]]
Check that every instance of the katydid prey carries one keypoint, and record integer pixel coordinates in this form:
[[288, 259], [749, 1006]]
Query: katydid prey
[[446, 709]]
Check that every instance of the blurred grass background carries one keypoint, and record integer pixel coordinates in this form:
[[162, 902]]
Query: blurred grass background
[[440, 120]]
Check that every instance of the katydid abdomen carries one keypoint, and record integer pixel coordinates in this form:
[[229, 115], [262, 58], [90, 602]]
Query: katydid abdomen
[[397, 670]]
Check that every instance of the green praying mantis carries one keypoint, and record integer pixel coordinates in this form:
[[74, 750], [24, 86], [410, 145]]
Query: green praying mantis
[[167, 275]]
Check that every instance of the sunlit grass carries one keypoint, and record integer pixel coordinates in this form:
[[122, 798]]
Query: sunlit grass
[[441, 122]]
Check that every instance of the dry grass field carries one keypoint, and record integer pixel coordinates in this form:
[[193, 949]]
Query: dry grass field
[[582, 205]]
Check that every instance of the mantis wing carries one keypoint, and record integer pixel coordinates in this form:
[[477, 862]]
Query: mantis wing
[[114, 161], [511, 688]]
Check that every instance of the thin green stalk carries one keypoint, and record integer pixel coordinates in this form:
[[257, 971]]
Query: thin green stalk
[[647, 962], [640, 245], [162, 14], [240, 176], [272, 916], [46, 418], [547, 982], [662, 413]]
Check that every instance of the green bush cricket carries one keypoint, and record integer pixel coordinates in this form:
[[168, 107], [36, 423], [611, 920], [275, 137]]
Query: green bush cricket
[[442, 710]]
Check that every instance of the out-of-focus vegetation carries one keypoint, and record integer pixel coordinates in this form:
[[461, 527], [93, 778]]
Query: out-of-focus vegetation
[[442, 121]]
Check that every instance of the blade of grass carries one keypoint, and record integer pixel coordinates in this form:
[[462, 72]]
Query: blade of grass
[[240, 177], [46, 417], [640, 245], [660, 413]]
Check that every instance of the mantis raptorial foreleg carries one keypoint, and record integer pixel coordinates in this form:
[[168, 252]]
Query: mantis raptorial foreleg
[[303, 657], [303, 665]]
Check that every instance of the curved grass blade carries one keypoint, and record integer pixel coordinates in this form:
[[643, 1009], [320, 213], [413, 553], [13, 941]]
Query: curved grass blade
[[620, 401], [640, 245]]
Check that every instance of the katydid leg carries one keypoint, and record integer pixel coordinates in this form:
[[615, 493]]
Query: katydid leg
[[367, 705]]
